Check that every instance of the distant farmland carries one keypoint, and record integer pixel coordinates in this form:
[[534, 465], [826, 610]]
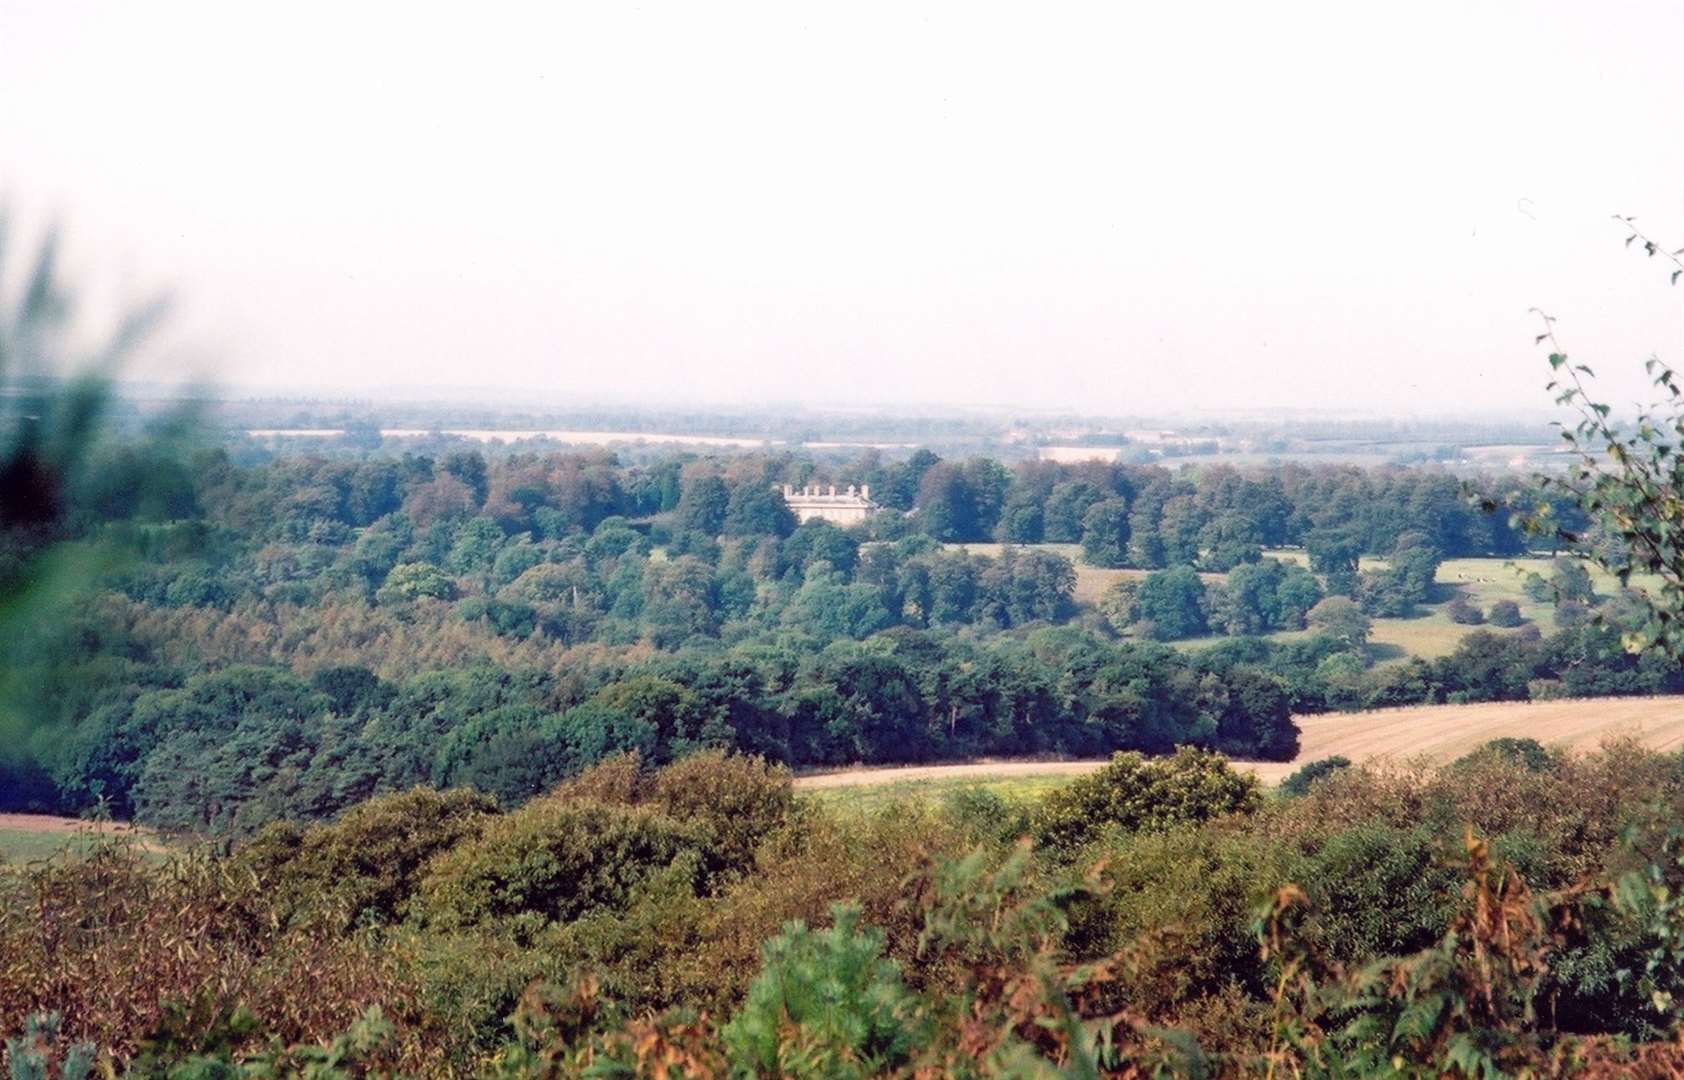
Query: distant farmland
[[1432, 733], [1429, 634]]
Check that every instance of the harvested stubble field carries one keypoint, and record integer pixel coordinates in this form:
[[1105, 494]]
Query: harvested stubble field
[[1431, 733]]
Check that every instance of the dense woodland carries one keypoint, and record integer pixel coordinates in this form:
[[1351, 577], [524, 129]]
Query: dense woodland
[[281, 640]]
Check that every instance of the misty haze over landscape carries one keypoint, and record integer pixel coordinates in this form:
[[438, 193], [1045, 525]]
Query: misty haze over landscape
[[1121, 210], [792, 542]]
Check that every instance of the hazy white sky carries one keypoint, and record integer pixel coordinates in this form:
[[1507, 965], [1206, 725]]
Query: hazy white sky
[[1103, 207]]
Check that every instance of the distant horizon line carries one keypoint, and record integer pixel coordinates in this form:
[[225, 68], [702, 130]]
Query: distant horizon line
[[531, 398]]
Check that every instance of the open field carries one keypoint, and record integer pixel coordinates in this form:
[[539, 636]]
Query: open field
[[1482, 582], [1011, 779], [1091, 581], [1431, 733], [1430, 634], [27, 837]]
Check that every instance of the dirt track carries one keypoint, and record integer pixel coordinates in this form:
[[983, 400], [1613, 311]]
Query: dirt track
[[1437, 733]]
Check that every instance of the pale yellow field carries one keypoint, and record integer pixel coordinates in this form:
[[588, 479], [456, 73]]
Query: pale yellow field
[[1431, 733]]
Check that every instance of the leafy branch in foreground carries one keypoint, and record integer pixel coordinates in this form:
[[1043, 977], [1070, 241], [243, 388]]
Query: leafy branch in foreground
[[55, 403], [1629, 477]]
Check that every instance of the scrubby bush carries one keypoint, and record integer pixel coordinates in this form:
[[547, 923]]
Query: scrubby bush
[[992, 815], [411, 581], [1341, 619], [1134, 793], [1299, 782], [1504, 613], [369, 862], [1572, 614], [1173, 602], [826, 1004], [127, 950], [1180, 903], [1463, 613], [1377, 889], [555, 860], [1529, 753], [736, 799], [739, 799]]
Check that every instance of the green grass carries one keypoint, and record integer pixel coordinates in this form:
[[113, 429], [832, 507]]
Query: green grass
[[23, 845], [871, 797], [1091, 581], [1429, 634], [1482, 582]]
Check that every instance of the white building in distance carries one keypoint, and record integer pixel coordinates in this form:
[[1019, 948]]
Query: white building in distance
[[848, 507]]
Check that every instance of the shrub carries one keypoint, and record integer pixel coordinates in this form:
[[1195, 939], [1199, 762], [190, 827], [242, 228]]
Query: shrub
[[1298, 784], [42, 1046], [1173, 602], [1571, 614], [410, 581], [126, 949], [1463, 613], [1137, 794], [991, 815], [1505, 613], [1340, 618], [1377, 889], [1180, 904], [826, 1004], [820, 858], [555, 860], [1121, 604], [1529, 753], [370, 861], [616, 779], [738, 799]]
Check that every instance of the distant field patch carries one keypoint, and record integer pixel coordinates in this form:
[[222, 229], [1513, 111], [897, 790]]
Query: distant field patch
[[1429, 634], [1435, 734], [1091, 581], [29, 837], [871, 796]]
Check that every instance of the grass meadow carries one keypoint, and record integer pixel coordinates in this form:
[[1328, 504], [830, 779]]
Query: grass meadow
[[28, 838], [1430, 634]]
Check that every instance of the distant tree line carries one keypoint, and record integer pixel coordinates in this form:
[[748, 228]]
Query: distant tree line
[[288, 638]]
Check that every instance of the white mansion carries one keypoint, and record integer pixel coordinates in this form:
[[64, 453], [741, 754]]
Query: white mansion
[[843, 508]]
